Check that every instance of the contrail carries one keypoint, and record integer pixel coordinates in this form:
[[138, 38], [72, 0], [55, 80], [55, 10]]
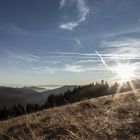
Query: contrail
[[102, 60]]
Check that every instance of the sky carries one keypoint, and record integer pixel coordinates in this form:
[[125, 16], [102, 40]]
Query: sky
[[67, 41]]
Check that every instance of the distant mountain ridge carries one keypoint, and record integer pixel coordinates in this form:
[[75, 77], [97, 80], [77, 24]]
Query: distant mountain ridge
[[60, 89], [10, 96], [13, 96]]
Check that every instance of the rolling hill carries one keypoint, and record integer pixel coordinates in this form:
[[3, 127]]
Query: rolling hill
[[104, 118], [12, 96], [58, 90]]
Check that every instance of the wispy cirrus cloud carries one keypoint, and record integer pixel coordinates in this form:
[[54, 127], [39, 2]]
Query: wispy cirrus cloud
[[120, 51], [129, 42], [86, 61], [66, 68], [73, 68], [10, 28], [55, 69], [79, 43], [104, 61], [128, 48], [83, 11], [73, 53], [22, 56], [108, 53], [62, 3]]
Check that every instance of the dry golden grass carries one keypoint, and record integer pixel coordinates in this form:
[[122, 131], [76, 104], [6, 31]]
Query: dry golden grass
[[105, 118]]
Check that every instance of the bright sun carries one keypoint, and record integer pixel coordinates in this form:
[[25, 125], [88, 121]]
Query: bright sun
[[124, 72]]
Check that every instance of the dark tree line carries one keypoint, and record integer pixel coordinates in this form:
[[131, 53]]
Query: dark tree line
[[17, 110], [77, 94]]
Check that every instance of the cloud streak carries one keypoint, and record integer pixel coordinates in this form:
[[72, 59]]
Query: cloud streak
[[109, 53], [79, 43], [24, 57], [127, 48], [83, 11], [62, 4], [13, 29], [102, 60], [73, 68]]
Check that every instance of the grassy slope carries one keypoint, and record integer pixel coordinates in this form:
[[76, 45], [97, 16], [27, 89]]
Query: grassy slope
[[105, 118]]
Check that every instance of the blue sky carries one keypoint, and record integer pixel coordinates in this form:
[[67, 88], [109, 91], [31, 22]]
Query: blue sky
[[64, 41]]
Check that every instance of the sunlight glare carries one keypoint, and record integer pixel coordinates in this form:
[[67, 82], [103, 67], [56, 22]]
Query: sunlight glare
[[124, 72]]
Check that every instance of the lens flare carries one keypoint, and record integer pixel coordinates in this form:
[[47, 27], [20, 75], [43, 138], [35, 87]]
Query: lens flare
[[124, 72]]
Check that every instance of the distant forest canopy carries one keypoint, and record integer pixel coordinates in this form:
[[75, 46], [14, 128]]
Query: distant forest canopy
[[77, 94]]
